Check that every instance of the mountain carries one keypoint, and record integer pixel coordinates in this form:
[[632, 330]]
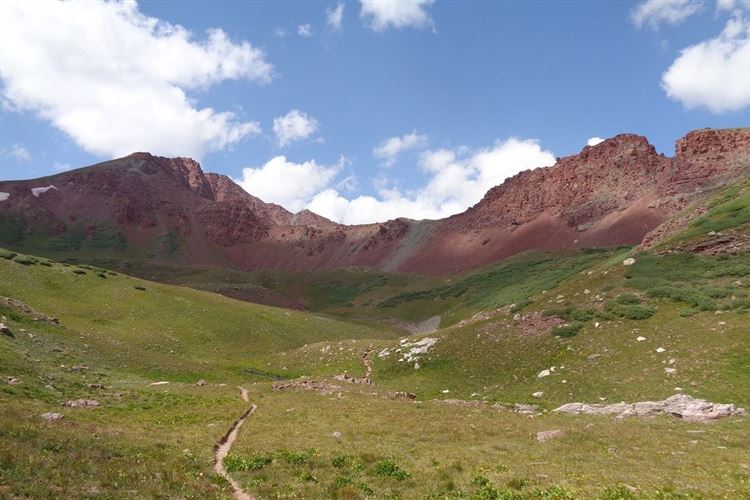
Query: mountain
[[167, 209]]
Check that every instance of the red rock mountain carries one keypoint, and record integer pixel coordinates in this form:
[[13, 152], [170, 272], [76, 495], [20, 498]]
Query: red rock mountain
[[143, 206]]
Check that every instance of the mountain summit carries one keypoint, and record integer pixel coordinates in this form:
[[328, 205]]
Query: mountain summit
[[159, 208]]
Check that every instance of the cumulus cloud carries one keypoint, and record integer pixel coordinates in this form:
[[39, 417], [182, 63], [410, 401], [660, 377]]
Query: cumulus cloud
[[116, 80], [390, 148], [713, 74], [61, 167], [19, 152], [380, 15], [305, 30], [335, 17], [653, 13], [593, 141], [294, 126], [730, 5], [456, 180], [291, 185]]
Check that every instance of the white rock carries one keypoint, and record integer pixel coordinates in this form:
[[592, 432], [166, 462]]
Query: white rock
[[660, 349], [445, 391], [596, 324], [418, 348], [586, 291], [538, 394], [416, 366], [670, 370], [4, 196], [158, 383], [543, 373], [640, 339], [628, 262], [336, 434]]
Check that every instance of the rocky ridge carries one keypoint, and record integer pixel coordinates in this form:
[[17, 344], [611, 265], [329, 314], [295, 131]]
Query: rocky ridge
[[168, 209]]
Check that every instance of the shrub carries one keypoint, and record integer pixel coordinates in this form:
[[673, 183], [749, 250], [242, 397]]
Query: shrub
[[26, 261], [389, 468], [79, 271], [102, 275], [139, 288], [717, 293], [630, 311], [689, 296], [554, 492], [340, 460], [234, 463], [619, 492], [294, 457], [520, 305], [628, 299], [5, 254], [518, 483], [568, 329]]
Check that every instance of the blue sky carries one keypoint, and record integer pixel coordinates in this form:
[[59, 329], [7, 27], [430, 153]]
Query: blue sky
[[390, 109]]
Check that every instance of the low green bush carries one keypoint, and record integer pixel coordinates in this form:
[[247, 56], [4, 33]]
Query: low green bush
[[689, 296], [630, 311], [387, 467], [234, 463], [628, 299], [568, 329], [5, 254]]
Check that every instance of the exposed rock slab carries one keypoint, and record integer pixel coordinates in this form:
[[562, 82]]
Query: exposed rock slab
[[679, 405]]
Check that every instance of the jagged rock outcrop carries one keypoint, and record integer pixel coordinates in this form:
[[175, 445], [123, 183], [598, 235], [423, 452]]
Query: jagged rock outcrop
[[167, 208]]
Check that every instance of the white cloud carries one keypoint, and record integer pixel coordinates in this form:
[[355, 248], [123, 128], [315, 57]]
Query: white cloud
[[115, 80], [19, 152], [593, 141], [61, 167], [715, 73], [294, 126], [730, 5], [391, 147], [381, 15], [335, 16], [457, 179], [655, 12], [305, 30], [289, 184]]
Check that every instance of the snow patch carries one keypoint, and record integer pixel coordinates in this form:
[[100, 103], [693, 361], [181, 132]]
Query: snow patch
[[4, 196], [41, 190]]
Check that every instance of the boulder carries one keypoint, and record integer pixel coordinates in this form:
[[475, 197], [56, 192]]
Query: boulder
[[547, 435], [82, 403], [51, 416]]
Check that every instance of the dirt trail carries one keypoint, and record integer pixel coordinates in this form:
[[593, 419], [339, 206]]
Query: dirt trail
[[367, 361], [225, 444]]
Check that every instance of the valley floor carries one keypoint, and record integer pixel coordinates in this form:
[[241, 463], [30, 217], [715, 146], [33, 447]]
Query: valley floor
[[116, 387]]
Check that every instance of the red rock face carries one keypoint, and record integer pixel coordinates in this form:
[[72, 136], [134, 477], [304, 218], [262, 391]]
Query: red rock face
[[612, 193]]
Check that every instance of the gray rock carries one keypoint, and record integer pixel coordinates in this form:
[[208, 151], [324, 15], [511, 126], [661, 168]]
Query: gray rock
[[51, 416], [82, 403], [13, 381], [5, 330], [679, 405], [547, 435]]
